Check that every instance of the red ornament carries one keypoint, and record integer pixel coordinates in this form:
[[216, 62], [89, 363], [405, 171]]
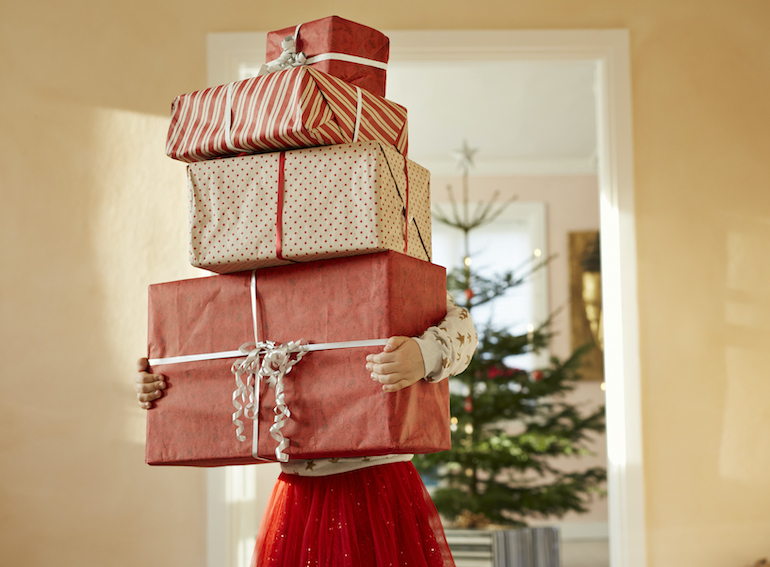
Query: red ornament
[[468, 404], [469, 294], [536, 376]]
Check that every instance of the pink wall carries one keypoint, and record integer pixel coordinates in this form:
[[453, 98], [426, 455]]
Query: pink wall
[[572, 204]]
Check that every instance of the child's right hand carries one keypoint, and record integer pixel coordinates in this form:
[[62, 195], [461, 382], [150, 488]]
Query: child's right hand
[[148, 387]]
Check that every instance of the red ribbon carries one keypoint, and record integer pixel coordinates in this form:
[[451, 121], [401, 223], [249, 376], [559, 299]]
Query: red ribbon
[[406, 208], [279, 216]]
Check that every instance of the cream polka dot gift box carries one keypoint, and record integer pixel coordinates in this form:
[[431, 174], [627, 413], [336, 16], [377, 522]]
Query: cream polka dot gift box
[[263, 210]]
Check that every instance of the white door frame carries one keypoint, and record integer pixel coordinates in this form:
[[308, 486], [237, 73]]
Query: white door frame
[[609, 49]]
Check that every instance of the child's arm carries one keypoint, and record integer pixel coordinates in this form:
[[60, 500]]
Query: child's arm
[[148, 386], [441, 351], [398, 366]]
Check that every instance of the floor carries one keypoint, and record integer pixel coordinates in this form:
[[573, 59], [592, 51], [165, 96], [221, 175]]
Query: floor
[[478, 549], [585, 553]]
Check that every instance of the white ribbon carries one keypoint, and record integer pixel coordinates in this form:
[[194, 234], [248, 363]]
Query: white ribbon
[[359, 107], [238, 353], [290, 58], [265, 361], [229, 118], [345, 57]]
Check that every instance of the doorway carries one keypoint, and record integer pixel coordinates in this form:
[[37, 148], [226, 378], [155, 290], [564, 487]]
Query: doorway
[[232, 56]]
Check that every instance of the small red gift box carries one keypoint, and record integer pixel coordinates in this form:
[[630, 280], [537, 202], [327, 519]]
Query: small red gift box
[[300, 107], [353, 52], [336, 409], [258, 211]]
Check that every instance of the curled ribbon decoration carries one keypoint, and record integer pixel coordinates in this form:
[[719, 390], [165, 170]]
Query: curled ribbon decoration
[[289, 58], [268, 362]]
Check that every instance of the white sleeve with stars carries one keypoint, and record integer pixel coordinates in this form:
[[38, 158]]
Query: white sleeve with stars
[[447, 348]]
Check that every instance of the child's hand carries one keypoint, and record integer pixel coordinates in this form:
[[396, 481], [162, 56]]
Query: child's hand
[[398, 366], [148, 386]]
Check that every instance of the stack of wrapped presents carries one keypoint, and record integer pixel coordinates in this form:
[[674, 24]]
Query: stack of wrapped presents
[[304, 205]]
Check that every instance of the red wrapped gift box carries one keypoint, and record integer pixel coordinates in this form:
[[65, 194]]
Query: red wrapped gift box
[[336, 409], [300, 107], [324, 41], [341, 200]]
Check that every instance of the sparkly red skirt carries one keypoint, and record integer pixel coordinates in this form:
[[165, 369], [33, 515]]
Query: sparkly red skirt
[[380, 516]]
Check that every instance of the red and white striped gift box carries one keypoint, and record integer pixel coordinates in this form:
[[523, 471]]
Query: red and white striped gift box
[[297, 108], [257, 211]]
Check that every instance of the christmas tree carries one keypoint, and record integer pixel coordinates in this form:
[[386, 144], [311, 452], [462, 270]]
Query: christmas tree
[[509, 424]]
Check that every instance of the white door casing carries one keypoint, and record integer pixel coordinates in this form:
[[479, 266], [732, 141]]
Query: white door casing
[[232, 54]]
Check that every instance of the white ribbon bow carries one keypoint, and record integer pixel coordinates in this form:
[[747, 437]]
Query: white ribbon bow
[[268, 362], [289, 58]]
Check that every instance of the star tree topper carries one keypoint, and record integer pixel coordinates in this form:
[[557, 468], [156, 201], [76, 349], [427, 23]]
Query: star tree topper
[[484, 212]]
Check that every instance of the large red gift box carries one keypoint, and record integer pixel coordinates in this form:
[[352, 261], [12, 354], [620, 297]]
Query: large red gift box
[[265, 210], [353, 52], [297, 108], [336, 408]]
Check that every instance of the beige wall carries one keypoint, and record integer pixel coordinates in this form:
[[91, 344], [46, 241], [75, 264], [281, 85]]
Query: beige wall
[[85, 89]]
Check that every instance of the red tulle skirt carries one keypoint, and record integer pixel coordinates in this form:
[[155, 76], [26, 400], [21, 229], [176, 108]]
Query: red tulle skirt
[[380, 516]]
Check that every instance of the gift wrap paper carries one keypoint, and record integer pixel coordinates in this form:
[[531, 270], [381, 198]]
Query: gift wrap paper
[[333, 35], [341, 200], [295, 108], [337, 410]]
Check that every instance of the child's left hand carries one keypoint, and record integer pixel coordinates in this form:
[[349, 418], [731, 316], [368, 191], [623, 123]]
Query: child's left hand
[[398, 366]]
